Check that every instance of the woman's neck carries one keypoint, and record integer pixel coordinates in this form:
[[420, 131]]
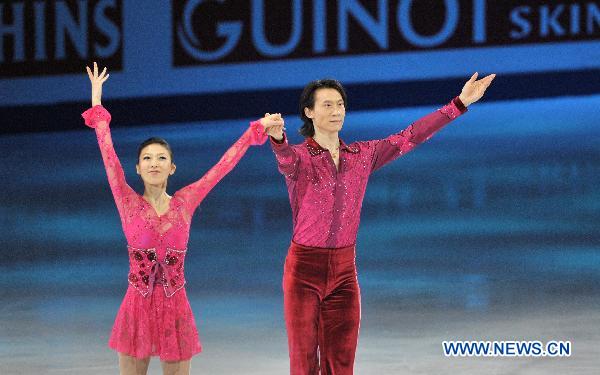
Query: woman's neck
[[156, 193]]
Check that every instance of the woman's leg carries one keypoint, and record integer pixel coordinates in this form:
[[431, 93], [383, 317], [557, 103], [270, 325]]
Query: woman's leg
[[132, 366], [176, 368]]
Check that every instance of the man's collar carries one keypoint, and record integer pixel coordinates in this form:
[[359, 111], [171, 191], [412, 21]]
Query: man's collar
[[315, 149]]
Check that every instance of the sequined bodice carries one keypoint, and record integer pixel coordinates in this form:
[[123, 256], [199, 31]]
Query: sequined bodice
[[326, 202], [157, 245]]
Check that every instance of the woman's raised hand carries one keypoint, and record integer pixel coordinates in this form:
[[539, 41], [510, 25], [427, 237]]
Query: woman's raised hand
[[274, 125], [97, 81], [474, 89]]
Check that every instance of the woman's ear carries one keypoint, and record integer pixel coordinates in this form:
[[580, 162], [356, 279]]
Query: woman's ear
[[137, 168], [173, 167]]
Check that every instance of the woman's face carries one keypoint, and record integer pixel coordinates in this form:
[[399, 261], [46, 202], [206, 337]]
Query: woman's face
[[328, 112], [155, 164]]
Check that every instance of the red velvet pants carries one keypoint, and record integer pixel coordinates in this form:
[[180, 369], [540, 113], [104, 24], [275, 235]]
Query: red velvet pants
[[322, 309]]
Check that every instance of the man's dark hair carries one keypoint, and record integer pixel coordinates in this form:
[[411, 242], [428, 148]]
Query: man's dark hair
[[307, 100], [151, 141]]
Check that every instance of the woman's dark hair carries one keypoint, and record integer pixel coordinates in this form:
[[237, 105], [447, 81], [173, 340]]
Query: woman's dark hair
[[154, 140], [307, 100]]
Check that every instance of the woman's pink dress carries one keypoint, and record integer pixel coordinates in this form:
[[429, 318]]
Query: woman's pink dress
[[155, 318]]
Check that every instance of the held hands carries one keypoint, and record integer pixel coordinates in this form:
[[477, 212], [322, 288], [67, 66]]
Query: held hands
[[274, 125], [474, 89], [97, 81]]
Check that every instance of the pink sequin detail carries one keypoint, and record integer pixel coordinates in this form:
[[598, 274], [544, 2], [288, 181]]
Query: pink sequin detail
[[165, 272]]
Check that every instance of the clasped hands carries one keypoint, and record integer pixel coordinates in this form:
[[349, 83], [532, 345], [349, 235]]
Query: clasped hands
[[274, 125]]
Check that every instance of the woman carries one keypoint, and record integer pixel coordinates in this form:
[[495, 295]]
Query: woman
[[155, 318], [326, 180]]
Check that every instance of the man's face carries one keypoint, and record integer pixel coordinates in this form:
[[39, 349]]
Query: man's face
[[328, 112]]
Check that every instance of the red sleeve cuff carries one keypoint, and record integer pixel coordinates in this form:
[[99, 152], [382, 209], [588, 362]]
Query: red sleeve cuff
[[276, 142], [258, 136], [94, 115], [459, 104]]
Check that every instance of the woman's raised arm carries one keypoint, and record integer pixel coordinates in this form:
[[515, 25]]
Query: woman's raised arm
[[256, 134], [98, 118]]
